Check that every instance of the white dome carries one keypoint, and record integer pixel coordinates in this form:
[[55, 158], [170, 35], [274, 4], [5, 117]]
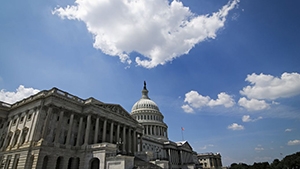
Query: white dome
[[144, 104], [146, 112]]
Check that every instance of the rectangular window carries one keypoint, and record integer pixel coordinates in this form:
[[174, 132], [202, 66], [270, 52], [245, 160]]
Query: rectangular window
[[14, 121], [29, 117], [16, 161], [22, 119], [7, 163]]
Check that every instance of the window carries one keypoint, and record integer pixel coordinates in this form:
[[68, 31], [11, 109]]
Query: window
[[24, 134], [16, 161], [22, 119], [14, 121], [29, 116], [7, 162]]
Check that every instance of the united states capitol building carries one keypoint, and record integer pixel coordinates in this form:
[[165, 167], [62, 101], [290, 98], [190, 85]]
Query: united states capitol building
[[57, 130]]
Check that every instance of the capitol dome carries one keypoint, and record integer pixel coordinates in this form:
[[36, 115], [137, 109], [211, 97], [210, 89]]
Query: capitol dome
[[146, 112]]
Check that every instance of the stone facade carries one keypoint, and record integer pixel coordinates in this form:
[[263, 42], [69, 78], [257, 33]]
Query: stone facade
[[56, 130], [210, 160]]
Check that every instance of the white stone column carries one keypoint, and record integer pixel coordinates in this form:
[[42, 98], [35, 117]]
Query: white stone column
[[111, 132], [160, 131], [134, 141], [59, 126], [46, 123], [70, 129], [124, 139], [166, 133], [32, 125], [169, 155], [146, 132], [96, 131], [141, 143], [79, 132], [87, 130], [104, 131], [118, 132], [129, 141], [181, 158]]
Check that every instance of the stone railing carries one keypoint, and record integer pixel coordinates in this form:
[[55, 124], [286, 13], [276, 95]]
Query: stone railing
[[67, 95], [45, 93], [3, 104]]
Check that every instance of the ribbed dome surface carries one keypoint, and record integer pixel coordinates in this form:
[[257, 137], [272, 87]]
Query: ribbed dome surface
[[144, 104]]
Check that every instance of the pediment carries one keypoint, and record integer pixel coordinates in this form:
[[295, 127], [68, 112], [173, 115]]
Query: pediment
[[116, 109], [184, 145]]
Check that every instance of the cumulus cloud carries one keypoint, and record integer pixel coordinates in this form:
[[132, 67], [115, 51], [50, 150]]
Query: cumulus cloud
[[235, 126], [247, 118], [270, 87], [253, 104], [21, 93], [223, 99], [188, 109], [196, 100], [156, 29], [293, 142]]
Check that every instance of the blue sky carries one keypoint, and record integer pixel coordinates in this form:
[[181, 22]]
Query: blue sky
[[226, 71]]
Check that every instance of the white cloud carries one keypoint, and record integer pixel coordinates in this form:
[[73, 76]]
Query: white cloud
[[293, 142], [21, 93], [235, 126], [196, 100], [253, 104], [223, 99], [247, 118], [186, 108], [157, 29], [270, 87], [288, 130]]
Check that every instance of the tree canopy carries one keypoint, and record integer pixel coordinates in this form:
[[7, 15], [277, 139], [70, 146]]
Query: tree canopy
[[288, 162]]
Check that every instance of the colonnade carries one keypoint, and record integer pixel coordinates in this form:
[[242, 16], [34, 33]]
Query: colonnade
[[73, 129], [174, 157], [155, 130], [186, 157]]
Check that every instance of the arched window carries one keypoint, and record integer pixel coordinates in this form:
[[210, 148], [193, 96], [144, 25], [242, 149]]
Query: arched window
[[59, 162], [94, 163], [45, 162], [73, 163]]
